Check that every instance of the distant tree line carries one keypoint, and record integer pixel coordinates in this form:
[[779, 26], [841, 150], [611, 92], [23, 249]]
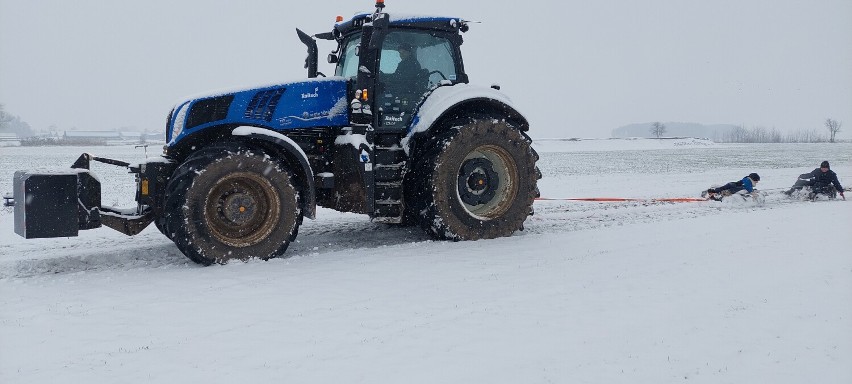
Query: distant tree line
[[27, 137], [13, 124], [758, 134], [742, 134], [36, 141]]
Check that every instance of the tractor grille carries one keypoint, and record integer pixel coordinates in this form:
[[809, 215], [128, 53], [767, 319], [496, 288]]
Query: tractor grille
[[263, 104], [207, 110]]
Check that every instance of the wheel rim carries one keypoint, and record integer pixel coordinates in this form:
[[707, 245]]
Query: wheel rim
[[487, 181], [242, 209]]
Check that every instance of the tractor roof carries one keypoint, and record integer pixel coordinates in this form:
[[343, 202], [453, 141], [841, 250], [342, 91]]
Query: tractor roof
[[440, 23]]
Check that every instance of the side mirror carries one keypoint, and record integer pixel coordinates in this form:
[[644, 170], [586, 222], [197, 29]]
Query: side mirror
[[380, 28], [311, 60]]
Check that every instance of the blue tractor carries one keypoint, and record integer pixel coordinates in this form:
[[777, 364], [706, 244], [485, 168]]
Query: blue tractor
[[397, 133]]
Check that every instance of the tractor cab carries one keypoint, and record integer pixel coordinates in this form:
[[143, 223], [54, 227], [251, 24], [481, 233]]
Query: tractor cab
[[397, 59]]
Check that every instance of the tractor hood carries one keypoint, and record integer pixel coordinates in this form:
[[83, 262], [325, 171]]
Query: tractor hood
[[317, 102]]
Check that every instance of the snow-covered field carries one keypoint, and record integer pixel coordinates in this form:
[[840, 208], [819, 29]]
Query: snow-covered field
[[633, 292]]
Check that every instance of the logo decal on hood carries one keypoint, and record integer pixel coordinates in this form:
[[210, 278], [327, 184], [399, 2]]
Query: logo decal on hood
[[311, 95]]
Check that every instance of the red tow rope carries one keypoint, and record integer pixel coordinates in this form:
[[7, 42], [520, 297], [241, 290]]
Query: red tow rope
[[620, 199]]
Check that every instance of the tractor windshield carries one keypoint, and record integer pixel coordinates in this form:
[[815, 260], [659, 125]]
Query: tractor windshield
[[347, 66]]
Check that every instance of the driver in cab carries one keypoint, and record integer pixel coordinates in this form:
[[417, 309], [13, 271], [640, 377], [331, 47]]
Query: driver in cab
[[408, 70]]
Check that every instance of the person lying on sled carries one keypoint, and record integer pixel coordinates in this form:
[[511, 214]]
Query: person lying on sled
[[821, 180], [748, 183]]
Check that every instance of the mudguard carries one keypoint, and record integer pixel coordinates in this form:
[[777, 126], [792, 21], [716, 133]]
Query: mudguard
[[447, 99], [294, 154]]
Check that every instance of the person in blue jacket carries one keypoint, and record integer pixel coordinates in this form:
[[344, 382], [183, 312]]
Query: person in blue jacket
[[821, 180], [747, 183]]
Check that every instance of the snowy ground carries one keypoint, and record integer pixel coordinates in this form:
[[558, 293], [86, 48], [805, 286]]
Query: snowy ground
[[590, 292]]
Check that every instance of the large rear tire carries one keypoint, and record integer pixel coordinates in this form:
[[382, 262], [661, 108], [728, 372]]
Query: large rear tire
[[231, 202], [476, 180]]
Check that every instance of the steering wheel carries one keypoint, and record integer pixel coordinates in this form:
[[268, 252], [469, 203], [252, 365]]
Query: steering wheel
[[433, 83], [438, 72]]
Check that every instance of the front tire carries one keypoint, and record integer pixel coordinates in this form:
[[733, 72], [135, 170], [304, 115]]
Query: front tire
[[477, 180], [231, 202]]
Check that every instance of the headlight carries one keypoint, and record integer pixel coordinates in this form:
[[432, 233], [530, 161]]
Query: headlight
[[180, 121]]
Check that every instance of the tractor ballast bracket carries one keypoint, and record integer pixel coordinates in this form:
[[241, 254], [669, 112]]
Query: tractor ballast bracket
[[128, 224], [60, 203]]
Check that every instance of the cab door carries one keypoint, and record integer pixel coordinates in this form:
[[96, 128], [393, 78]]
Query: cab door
[[401, 85]]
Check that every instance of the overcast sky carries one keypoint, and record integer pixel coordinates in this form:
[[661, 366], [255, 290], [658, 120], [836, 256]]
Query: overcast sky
[[575, 68]]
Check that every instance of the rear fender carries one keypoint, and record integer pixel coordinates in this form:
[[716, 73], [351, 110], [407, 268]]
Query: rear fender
[[447, 102]]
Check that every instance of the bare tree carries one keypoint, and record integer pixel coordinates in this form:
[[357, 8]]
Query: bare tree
[[2, 117], [833, 127], [736, 135], [658, 129]]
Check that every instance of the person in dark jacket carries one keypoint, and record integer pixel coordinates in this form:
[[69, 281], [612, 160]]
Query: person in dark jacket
[[747, 183], [409, 69], [821, 180]]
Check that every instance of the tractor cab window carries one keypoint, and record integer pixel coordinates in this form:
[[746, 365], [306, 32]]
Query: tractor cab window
[[411, 63], [404, 53], [347, 66]]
